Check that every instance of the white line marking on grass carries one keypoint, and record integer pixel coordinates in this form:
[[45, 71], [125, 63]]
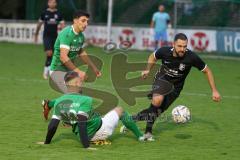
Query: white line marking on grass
[[207, 95], [110, 88], [220, 57]]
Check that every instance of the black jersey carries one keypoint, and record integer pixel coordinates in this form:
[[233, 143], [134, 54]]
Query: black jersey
[[176, 69], [51, 20]]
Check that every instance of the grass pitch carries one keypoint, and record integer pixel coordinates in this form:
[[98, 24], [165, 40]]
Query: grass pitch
[[213, 132]]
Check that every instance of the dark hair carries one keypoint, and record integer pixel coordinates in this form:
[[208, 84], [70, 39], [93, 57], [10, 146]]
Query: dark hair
[[70, 75], [80, 13], [181, 36]]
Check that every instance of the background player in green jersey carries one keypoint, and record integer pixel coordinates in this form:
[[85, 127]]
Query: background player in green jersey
[[68, 47], [77, 110]]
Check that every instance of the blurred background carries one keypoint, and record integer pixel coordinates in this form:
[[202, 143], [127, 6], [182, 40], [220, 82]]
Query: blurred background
[[211, 25], [198, 13]]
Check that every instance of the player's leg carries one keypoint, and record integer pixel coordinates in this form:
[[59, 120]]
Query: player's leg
[[47, 106], [48, 47], [151, 112], [168, 100], [56, 81], [130, 124], [109, 123], [164, 39], [160, 88], [156, 39]]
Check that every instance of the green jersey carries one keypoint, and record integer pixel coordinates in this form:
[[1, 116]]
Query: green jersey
[[68, 106], [70, 40]]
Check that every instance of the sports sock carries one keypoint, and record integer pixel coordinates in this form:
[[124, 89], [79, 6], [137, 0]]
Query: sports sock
[[147, 114], [45, 70], [156, 112], [48, 61], [130, 124]]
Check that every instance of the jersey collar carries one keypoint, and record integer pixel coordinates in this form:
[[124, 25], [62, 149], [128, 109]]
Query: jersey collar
[[74, 31], [51, 10]]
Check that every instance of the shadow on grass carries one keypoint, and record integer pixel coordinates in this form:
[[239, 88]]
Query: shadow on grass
[[170, 125]]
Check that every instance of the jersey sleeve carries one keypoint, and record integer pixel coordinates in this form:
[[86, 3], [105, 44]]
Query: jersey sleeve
[[167, 17], [60, 17], [56, 113], [154, 17], [42, 17], [158, 54], [198, 62], [65, 40], [85, 107]]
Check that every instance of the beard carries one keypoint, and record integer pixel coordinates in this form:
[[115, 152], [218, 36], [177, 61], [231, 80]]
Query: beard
[[179, 54]]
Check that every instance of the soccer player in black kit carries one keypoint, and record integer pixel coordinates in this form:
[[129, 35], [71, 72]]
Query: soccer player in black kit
[[177, 62], [52, 19]]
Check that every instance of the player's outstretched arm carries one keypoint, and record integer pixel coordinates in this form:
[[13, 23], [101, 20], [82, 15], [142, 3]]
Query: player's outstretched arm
[[215, 94], [82, 125], [151, 61], [39, 25], [68, 63], [88, 61], [52, 127]]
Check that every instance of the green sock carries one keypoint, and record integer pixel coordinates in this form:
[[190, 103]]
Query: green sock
[[128, 122], [51, 103]]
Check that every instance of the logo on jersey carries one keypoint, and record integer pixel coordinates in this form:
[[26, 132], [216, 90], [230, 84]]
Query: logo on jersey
[[166, 62], [55, 16], [181, 66], [199, 41]]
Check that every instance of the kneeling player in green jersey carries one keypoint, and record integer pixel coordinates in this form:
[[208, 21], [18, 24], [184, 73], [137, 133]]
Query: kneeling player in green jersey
[[67, 49], [77, 110]]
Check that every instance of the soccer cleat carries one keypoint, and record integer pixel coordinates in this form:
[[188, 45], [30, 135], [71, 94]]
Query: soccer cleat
[[45, 76], [148, 137], [101, 142], [123, 129], [45, 73], [46, 109], [141, 139]]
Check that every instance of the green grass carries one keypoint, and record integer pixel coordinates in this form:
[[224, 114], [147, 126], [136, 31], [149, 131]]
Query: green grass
[[213, 132]]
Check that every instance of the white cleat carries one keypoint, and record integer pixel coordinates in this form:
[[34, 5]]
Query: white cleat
[[46, 73], [148, 137], [123, 129], [141, 139]]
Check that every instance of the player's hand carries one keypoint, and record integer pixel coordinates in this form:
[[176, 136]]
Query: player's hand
[[145, 74], [98, 73], [91, 148], [41, 143], [216, 96], [82, 75]]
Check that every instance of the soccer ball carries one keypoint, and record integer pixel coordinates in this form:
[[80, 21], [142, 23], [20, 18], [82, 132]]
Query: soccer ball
[[181, 114]]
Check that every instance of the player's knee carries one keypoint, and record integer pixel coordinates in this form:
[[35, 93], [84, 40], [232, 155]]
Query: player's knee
[[157, 100], [118, 110]]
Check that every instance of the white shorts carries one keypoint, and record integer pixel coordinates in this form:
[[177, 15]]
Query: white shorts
[[109, 123]]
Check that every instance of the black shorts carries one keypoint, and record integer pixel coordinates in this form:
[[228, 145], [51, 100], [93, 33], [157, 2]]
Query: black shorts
[[163, 87], [48, 43]]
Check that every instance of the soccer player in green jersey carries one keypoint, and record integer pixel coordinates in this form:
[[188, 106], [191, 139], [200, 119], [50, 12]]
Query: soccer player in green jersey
[[68, 47], [77, 110]]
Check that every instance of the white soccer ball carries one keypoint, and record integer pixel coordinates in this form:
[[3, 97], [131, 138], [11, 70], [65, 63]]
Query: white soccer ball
[[181, 114]]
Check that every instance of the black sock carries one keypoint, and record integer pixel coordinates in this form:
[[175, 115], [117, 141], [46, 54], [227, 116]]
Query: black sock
[[48, 61], [147, 114]]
